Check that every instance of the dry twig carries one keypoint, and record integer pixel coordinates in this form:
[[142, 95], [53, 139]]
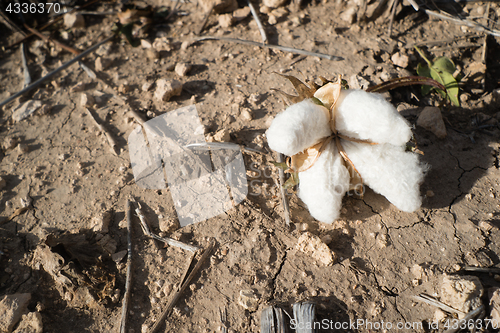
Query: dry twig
[[128, 281], [259, 23], [169, 241], [269, 46], [432, 301], [109, 137], [205, 20], [183, 285], [54, 72]]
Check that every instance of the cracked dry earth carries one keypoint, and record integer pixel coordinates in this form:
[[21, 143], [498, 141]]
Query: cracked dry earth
[[383, 256]]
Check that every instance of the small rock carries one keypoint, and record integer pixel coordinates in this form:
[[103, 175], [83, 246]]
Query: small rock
[[248, 300], [312, 246], [429, 194], [146, 44], [104, 50], [219, 6], [86, 100], [167, 89], [279, 12], [102, 64], [123, 88], [79, 87], [349, 15], [10, 142], [100, 222], [222, 136], [226, 20], [162, 44], [30, 323], [26, 109], [168, 225], [182, 69], [273, 3], [431, 119], [254, 99], [400, 60], [146, 86], [185, 44], [23, 148], [494, 296], [12, 307], [461, 292], [486, 226], [439, 316], [272, 20], [246, 114], [358, 82], [152, 54], [241, 14], [74, 20], [118, 256], [265, 10]]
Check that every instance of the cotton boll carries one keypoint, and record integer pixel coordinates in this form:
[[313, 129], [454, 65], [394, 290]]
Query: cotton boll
[[369, 116], [323, 185], [298, 127], [389, 171]]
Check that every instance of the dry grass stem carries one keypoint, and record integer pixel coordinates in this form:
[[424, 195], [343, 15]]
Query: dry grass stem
[[269, 46], [128, 281]]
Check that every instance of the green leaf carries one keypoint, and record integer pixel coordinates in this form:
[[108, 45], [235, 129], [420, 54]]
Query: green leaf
[[436, 75], [126, 30], [444, 64], [424, 71], [451, 87]]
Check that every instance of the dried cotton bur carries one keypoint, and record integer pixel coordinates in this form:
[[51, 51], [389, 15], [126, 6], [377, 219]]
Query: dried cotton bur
[[339, 139]]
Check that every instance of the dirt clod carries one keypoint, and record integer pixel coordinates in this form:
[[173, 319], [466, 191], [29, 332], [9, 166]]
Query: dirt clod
[[431, 119], [165, 90]]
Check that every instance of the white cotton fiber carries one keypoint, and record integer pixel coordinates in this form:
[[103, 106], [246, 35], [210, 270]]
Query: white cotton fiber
[[389, 171], [369, 116], [298, 127], [323, 186]]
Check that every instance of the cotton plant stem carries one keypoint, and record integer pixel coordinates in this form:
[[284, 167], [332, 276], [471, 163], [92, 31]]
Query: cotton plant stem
[[54, 72], [259, 23], [269, 46], [183, 287], [128, 281], [284, 200]]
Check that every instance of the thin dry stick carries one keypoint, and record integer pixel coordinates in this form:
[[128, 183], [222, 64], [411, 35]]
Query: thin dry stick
[[47, 39], [466, 319], [183, 287], [269, 46], [128, 280], [286, 208], [54, 72], [469, 23], [169, 241], [432, 301], [393, 14], [108, 135], [259, 23]]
